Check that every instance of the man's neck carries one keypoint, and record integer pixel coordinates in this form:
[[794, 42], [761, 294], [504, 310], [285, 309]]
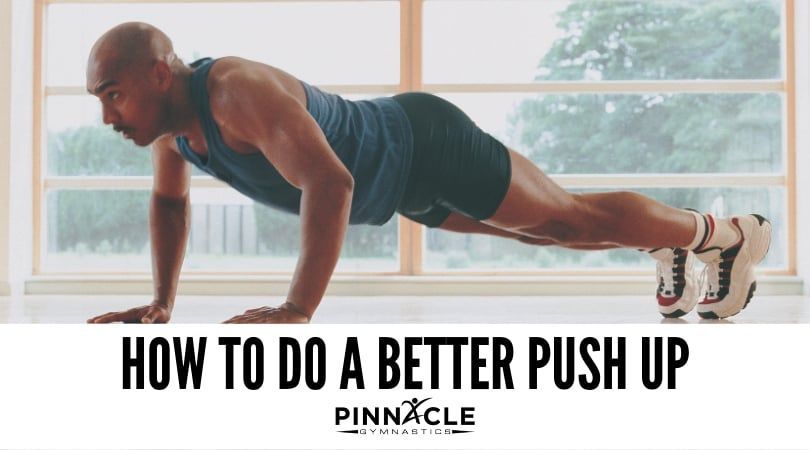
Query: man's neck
[[182, 114]]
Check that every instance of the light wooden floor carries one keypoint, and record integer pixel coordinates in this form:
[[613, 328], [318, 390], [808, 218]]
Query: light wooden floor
[[595, 309]]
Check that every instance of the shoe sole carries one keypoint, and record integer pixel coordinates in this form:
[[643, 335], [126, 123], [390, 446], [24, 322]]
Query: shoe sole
[[762, 238], [682, 309], [712, 315], [675, 314]]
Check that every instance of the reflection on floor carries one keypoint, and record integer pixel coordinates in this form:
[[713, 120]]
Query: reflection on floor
[[593, 309]]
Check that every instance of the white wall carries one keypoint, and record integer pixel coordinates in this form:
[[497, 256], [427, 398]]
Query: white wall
[[16, 75], [5, 142], [22, 120], [802, 30]]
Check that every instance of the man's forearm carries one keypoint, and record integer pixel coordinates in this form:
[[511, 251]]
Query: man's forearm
[[324, 219], [169, 227]]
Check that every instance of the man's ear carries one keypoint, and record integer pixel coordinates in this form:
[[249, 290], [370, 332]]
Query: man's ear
[[162, 75]]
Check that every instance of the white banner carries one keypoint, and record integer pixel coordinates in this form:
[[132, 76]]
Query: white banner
[[404, 386]]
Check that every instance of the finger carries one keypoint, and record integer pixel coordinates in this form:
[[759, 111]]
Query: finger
[[151, 316], [236, 319], [246, 318], [101, 318], [271, 315], [263, 315], [254, 319], [233, 319], [114, 317], [251, 314]]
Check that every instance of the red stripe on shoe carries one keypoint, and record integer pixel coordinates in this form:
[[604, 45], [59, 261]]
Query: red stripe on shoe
[[709, 301], [667, 301], [736, 223]]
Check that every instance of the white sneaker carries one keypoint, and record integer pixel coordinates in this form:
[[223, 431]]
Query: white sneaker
[[730, 271], [678, 291]]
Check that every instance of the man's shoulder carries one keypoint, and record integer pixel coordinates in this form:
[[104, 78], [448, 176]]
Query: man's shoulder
[[232, 74], [234, 81], [230, 68], [238, 86]]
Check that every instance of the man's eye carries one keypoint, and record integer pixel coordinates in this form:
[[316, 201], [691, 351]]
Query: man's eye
[[112, 95]]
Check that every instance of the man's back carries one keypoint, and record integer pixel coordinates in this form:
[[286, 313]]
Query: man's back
[[372, 138]]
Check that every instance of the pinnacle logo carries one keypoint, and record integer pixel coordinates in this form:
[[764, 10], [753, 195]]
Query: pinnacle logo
[[411, 417]]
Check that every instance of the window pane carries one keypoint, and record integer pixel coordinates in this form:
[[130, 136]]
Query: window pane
[[231, 232], [453, 251], [651, 133], [519, 41], [96, 231], [321, 42], [79, 144], [100, 231]]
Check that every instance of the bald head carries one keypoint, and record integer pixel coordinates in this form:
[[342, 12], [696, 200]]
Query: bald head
[[130, 46], [133, 70]]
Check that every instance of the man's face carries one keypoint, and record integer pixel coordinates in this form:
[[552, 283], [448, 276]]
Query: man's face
[[130, 102]]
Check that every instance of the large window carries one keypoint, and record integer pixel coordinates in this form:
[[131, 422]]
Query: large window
[[95, 202], [688, 101]]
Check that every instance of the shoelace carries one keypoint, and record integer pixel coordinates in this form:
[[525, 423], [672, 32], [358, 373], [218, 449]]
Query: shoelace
[[718, 272], [710, 275], [665, 283], [667, 272]]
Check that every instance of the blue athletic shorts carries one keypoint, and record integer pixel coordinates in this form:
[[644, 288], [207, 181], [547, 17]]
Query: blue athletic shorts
[[456, 166]]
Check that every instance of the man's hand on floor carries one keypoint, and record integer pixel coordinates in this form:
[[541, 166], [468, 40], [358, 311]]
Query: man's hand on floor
[[152, 313], [270, 314]]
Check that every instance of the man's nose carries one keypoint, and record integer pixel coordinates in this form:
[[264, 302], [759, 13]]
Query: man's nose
[[108, 116]]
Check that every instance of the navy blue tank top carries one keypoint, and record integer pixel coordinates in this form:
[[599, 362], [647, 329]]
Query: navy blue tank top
[[372, 138]]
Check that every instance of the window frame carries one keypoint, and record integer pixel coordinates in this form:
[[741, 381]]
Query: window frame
[[411, 234]]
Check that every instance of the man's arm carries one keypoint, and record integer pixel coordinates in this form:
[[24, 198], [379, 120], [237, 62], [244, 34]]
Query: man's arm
[[169, 218], [257, 109], [169, 214]]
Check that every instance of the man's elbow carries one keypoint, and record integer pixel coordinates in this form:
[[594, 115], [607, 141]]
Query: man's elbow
[[170, 201], [342, 183], [347, 183]]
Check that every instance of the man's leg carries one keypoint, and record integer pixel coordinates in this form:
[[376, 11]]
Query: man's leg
[[536, 206], [461, 224], [677, 294]]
